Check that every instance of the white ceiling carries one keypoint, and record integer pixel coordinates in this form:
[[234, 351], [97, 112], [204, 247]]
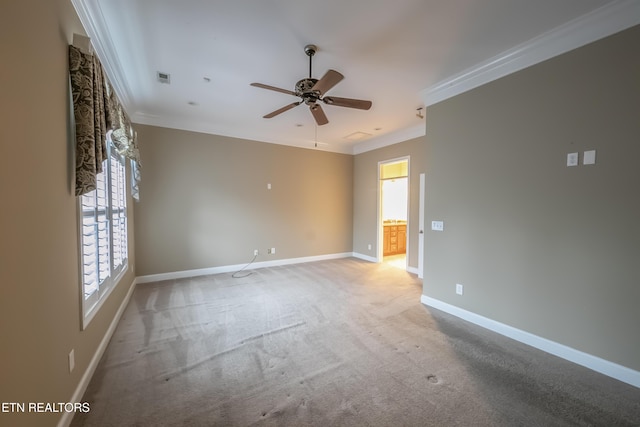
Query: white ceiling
[[390, 52]]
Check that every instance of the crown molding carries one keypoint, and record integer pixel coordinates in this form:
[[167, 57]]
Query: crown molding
[[247, 134], [602, 22], [205, 127], [391, 138], [92, 19], [609, 19]]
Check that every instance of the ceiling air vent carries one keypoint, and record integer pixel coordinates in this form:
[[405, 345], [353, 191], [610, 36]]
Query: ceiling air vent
[[356, 136], [164, 77]]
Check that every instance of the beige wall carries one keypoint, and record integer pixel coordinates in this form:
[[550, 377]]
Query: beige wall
[[39, 271], [205, 203], [365, 202], [547, 249]]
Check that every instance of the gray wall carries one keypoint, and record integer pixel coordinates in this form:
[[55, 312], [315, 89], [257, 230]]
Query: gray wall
[[366, 187], [40, 308], [545, 248], [205, 203]]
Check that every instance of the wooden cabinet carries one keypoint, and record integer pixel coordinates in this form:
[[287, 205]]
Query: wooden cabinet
[[394, 239], [386, 247], [402, 239]]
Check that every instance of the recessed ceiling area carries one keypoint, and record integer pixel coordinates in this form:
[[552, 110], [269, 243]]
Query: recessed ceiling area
[[392, 53]]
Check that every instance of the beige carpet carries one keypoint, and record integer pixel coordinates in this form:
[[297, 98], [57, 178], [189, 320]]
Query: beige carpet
[[331, 343]]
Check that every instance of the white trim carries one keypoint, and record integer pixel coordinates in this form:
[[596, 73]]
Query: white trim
[[364, 257], [66, 418], [371, 144], [379, 219], [92, 20], [233, 268], [109, 285], [186, 124], [597, 364], [91, 305], [412, 270], [609, 19], [391, 138], [420, 270], [602, 22], [231, 132]]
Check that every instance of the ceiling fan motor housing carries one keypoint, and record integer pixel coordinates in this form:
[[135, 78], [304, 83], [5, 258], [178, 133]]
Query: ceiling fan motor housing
[[304, 90]]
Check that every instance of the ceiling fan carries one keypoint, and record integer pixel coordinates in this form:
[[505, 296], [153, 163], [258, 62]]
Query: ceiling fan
[[311, 91]]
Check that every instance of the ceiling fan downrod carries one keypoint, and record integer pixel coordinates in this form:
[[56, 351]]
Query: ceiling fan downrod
[[310, 50]]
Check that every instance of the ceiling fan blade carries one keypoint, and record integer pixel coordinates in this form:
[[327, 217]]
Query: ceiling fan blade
[[318, 114], [329, 80], [347, 102], [281, 110], [277, 89]]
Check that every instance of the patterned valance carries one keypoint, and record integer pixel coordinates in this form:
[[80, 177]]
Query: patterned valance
[[97, 112], [124, 139], [122, 135], [88, 90]]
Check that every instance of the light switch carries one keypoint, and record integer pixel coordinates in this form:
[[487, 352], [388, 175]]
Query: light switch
[[437, 225], [589, 157], [572, 159]]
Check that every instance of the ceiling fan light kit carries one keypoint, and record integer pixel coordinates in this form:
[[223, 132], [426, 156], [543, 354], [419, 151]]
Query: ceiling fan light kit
[[311, 91]]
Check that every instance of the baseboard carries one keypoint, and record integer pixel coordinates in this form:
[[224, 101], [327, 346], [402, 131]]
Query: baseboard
[[364, 257], [594, 363], [261, 264], [413, 270], [233, 268], [66, 418]]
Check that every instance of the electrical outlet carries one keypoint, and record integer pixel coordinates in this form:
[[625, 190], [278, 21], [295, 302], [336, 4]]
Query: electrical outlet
[[255, 252], [459, 289], [272, 250], [72, 360], [572, 159], [369, 246]]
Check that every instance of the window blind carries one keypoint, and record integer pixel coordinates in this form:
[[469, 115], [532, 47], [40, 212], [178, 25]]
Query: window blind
[[104, 230]]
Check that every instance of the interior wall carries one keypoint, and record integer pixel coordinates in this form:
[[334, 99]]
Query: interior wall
[[40, 313], [545, 248], [365, 196], [204, 201]]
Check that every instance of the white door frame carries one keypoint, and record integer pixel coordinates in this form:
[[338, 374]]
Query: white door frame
[[379, 254], [421, 229]]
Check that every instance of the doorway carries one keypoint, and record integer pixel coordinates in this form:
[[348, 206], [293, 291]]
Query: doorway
[[393, 212]]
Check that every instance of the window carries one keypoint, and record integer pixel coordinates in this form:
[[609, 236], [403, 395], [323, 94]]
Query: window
[[103, 233]]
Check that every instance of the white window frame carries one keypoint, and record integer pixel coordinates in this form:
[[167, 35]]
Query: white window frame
[[111, 219]]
